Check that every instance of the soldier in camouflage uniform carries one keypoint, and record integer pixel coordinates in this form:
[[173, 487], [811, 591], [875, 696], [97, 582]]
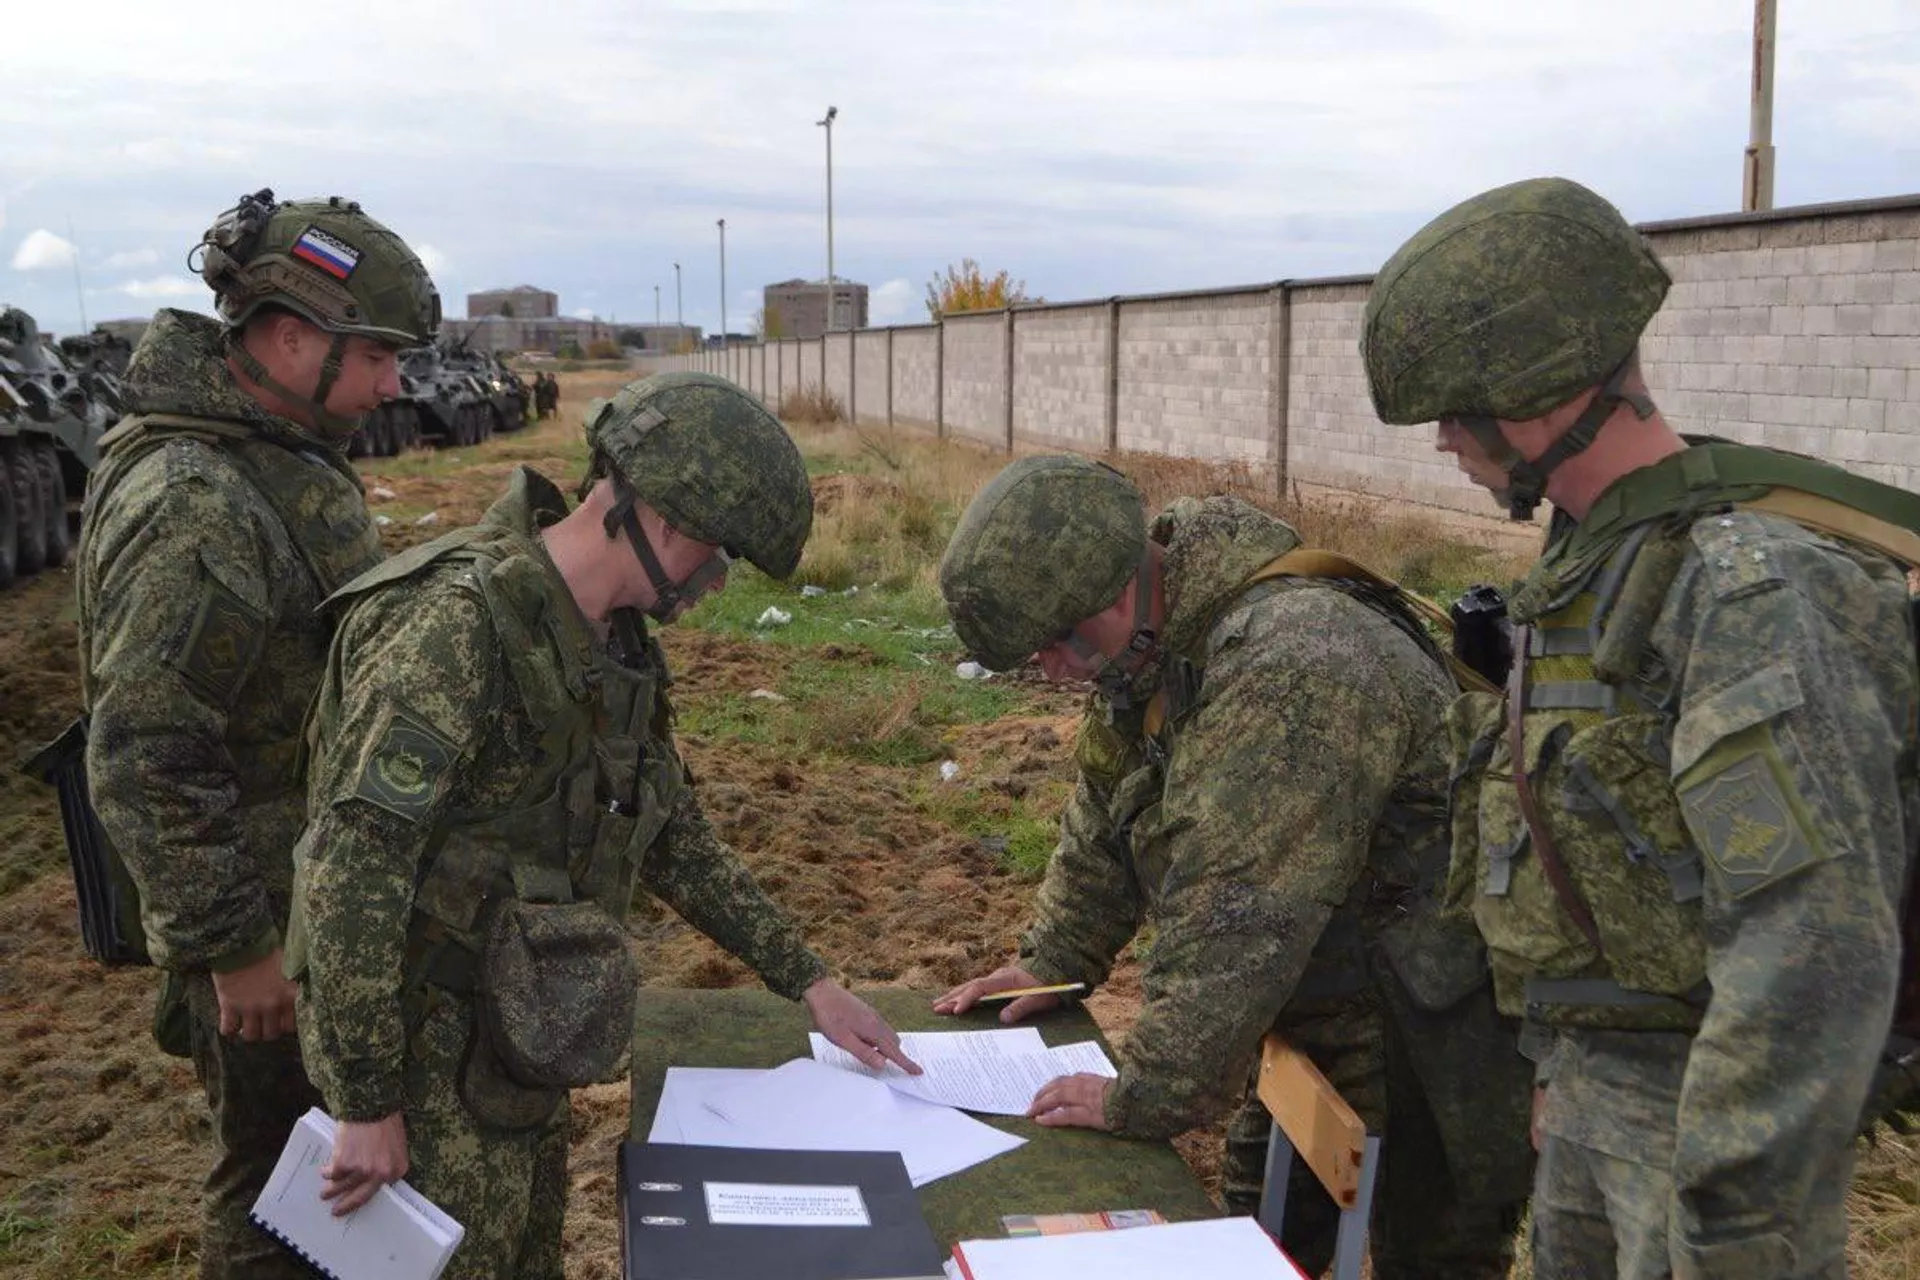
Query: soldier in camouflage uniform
[[1263, 780], [1684, 830], [493, 775], [223, 514]]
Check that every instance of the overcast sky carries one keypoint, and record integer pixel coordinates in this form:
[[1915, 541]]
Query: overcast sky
[[1091, 148]]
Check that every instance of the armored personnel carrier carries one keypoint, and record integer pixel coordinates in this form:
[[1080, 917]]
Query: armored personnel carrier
[[506, 394], [52, 415]]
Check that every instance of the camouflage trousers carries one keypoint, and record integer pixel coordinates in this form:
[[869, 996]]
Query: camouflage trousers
[[255, 1093], [1422, 1225], [1604, 1203], [509, 1190]]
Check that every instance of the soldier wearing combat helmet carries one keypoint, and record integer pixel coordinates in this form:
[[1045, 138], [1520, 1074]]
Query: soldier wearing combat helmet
[[493, 771], [221, 517], [1684, 829], [1262, 777]]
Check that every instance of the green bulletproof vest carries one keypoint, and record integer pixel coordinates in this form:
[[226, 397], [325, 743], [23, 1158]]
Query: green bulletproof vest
[[1603, 927], [599, 788]]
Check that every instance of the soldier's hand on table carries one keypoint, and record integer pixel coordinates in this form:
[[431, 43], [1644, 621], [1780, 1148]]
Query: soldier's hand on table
[[1076, 1101], [1009, 977], [256, 1002], [851, 1023], [367, 1155]]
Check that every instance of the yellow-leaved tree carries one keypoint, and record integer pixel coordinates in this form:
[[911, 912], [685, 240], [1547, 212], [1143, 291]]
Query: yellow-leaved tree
[[968, 288]]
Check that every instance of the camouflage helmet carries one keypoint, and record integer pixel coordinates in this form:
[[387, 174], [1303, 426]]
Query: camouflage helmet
[[1508, 305], [1048, 543], [716, 465], [324, 260]]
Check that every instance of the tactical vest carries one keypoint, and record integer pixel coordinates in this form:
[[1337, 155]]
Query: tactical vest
[[317, 497], [599, 790], [1125, 753], [1569, 845]]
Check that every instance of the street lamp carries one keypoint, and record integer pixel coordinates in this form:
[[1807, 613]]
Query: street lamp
[[656, 306], [722, 224], [827, 124], [679, 314]]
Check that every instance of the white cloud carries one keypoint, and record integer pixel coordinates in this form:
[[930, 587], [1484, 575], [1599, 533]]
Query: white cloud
[[895, 302], [42, 251], [583, 313], [163, 287], [433, 259], [127, 259]]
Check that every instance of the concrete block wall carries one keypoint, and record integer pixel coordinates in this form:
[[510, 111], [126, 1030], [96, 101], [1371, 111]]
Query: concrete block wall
[[869, 376], [914, 360], [974, 396], [839, 365], [1195, 375], [1801, 335], [1796, 328], [1060, 376]]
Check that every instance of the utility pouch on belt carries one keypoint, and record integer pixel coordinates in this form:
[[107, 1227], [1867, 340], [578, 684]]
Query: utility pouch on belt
[[1482, 636], [110, 928], [552, 1011]]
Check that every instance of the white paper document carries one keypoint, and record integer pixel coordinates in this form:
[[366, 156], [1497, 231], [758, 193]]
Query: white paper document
[[806, 1106], [1225, 1248], [768, 1204], [996, 1072]]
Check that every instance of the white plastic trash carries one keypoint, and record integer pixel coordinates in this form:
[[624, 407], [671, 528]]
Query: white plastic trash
[[949, 770], [380, 493], [972, 671], [432, 517], [383, 521], [810, 591], [773, 618], [767, 695]]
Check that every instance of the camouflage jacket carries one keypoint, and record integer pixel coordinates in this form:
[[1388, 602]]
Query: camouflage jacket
[[1783, 661], [1305, 779], [200, 645], [423, 736]]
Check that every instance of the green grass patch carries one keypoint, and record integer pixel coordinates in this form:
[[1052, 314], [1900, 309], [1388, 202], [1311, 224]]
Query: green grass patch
[[1022, 829]]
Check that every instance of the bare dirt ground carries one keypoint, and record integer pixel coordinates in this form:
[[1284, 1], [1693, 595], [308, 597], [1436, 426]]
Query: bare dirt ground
[[103, 1138]]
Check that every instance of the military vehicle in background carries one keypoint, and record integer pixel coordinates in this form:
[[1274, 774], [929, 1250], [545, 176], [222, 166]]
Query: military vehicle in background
[[101, 351], [506, 394], [437, 405], [52, 415]]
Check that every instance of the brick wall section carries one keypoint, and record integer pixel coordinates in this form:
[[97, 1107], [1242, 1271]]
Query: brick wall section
[[1798, 329], [1060, 377], [913, 364], [870, 375], [1803, 335], [839, 354], [975, 376], [1194, 376]]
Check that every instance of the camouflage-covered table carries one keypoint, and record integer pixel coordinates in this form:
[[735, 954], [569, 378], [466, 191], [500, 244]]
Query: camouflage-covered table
[[1057, 1171]]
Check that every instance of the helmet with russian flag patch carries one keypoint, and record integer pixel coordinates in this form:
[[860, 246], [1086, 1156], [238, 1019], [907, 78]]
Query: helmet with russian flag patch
[[323, 260]]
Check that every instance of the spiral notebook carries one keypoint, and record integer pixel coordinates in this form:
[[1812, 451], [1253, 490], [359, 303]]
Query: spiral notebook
[[397, 1235]]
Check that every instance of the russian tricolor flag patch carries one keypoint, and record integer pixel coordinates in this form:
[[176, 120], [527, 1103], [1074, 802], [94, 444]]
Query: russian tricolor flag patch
[[329, 253]]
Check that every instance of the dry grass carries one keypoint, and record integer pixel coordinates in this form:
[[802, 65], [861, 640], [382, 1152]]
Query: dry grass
[[813, 404]]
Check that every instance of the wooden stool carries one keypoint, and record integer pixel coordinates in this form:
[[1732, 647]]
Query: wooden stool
[[1311, 1118]]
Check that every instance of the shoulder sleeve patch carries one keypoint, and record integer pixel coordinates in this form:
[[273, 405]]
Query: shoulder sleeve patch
[[407, 771], [226, 635], [1743, 810]]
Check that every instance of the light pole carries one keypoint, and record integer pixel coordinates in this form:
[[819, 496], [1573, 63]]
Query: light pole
[[827, 124], [1757, 180], [656, 306], [679, 314], [722, 224]]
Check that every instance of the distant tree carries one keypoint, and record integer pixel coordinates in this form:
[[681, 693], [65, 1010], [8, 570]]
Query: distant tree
[[968, 288], [570, 350], [772, 325], [604, 349], [506, 311], [631, 335]]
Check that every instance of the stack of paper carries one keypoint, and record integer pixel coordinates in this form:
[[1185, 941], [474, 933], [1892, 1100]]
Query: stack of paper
[[996, 1072], [806, 1106], [1218, 1248]]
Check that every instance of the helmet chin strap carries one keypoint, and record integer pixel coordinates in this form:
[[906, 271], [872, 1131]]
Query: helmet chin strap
[[668, 595], [330, 425], [1114, 676], [1527, 480]]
